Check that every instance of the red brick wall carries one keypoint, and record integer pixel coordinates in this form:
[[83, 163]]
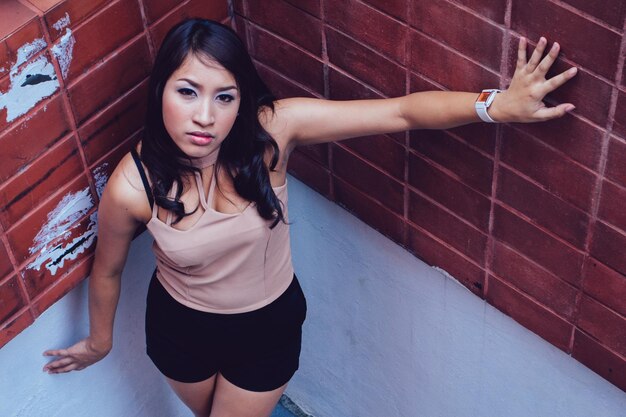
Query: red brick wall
[[531, 218], [53, 158]]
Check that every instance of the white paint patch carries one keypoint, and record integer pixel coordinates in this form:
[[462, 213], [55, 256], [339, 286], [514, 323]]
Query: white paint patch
[[28, 50], [54, 243], [99, 174], [62, 22], [63, 51], [29, 86]]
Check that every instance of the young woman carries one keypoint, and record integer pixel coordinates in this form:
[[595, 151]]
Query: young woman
[[224, 313]]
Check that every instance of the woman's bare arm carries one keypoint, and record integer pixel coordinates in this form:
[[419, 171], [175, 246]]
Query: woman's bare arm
[[306, 121], [119, 214]]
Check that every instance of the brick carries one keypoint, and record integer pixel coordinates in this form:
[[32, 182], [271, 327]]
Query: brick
[[544, 287], [459, 30], [396, 8], [447, 67], [42, 128], [319, 153], [367, 179], [114, 125], [494, 10], [33, 185], [529, 313], [612, 209], [469, 166], [218, 10], [155, 9], [600, 359], [76, 10], [42, 5], [543, 208], [281, 86], [555, 172], [447, 227], [370, 211], [382, 151], [606, 326], [10, 299], [241, 27], [22, 236], [616, 161], [289, 60], [289, 22], [543, 249], [605, 285], [343, 87], [27, 34], [583, 41], [63, 286], [6, 61], [365, 64], [103, 33], [448, 191], [238, 7], [5, 263], [313, 7], [370, 27], [609, 11], [39, 280], [608, 246], [619, 122], [13, 15], [576, 138], [159, 29], [310, 172], [10, 329], [441, 255], [128, 68]]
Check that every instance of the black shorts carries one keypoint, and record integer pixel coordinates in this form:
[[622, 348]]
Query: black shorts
[[257, 350]]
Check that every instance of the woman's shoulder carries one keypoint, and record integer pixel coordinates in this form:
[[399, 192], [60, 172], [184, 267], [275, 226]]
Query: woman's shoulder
[[125, 189]]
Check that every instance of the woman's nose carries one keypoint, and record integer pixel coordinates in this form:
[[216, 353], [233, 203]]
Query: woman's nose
[[204, 115]]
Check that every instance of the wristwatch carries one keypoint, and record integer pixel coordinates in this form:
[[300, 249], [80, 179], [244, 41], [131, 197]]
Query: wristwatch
[[483, 102]]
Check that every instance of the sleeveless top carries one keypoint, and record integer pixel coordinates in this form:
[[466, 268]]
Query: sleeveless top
[[224, 263]]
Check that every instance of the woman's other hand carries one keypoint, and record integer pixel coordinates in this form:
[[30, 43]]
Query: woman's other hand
[[76, 357], [523, 101]]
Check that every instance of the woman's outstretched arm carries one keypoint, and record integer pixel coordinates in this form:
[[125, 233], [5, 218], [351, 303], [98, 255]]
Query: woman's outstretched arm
[[118, 219], [307, 121]]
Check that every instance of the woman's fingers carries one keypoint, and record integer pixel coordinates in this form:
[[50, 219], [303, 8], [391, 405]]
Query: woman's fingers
[[558, 80], [56, 366], [547, 113], [55, 352], [521, 53], [535, 58], [546, 63]]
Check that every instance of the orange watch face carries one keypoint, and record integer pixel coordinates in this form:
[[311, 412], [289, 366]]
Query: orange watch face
[[483, 96]]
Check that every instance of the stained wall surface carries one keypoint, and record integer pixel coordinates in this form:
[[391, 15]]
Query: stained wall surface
[[528, 217], [73, 77]]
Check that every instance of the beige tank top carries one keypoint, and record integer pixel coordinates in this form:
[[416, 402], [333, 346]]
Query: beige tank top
[[224, 263]]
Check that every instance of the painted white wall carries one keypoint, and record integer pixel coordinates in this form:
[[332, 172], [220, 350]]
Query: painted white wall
[[386, 335]]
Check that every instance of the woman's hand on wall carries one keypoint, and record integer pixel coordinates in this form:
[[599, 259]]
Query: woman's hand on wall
[[76, 357], [523, 100]]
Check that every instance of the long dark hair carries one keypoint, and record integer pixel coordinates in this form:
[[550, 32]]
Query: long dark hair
[[242, 152]]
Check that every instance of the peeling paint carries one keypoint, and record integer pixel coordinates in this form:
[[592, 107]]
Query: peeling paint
[[29, 50], [63, 51], [54, 243], [101, 178], [62, 22], [22, 94]]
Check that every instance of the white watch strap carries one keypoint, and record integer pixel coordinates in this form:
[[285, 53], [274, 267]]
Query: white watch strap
[[483, 106]]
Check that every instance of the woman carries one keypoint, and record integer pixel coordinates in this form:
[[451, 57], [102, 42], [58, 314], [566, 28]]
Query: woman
[[224, 314]]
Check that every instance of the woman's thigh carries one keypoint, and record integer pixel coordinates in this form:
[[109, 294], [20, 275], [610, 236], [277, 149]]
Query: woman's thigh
[[198, 396], [231, 401]]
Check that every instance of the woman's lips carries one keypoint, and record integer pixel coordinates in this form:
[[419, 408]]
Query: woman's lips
[[200, 138]]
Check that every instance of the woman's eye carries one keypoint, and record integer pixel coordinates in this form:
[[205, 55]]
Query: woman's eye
[[226, 98], [186, 91]]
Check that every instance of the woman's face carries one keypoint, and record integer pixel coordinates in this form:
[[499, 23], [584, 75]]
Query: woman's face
[[200, 105]]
